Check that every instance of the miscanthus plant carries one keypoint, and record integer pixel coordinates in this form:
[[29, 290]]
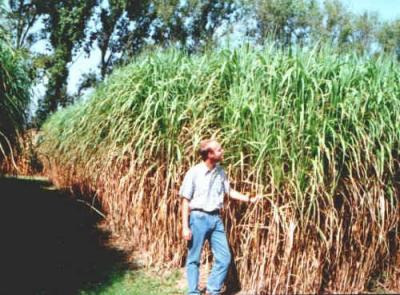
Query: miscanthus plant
[[15, 85], [315, 132]]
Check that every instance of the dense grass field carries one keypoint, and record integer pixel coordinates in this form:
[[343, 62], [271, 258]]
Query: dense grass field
[[315, 132]]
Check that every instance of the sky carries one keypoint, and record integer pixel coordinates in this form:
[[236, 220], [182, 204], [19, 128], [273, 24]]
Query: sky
[[387, 10]]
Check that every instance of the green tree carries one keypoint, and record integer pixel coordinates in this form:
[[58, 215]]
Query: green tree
[[284, 20], [21, 17], [365, 31], [389, 37], [66, 24], [109, 18], [126, 27], [191, 24], [123, 29]]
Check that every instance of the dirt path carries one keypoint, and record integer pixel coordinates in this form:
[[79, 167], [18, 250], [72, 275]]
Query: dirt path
[[50, 243]]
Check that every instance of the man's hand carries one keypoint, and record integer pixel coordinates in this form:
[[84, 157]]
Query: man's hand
[[255, 199], [239, 196], [187, 233]]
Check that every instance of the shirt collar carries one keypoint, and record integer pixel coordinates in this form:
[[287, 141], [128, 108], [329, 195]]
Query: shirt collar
[[205, 168]]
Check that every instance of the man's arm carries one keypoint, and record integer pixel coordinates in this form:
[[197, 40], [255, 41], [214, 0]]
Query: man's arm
[[186, 192], [186, 232], [235, 194], [241, 197]]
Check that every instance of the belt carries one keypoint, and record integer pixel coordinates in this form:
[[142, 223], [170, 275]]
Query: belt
[[214, 212]]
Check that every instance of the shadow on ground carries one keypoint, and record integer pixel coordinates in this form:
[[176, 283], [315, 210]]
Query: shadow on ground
[[50, 243]]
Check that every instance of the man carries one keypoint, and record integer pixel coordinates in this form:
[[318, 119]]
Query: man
[[202, 193]]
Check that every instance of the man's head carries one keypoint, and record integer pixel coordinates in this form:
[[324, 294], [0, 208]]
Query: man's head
[[211, 150]]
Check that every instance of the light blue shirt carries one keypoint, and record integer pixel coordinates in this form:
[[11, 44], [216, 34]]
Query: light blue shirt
[[205, 188]]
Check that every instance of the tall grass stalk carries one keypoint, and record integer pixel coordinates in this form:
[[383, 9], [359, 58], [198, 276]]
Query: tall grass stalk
[[318, 134]]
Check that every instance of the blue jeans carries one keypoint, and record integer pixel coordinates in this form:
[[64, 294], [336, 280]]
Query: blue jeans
[[206, 226]]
